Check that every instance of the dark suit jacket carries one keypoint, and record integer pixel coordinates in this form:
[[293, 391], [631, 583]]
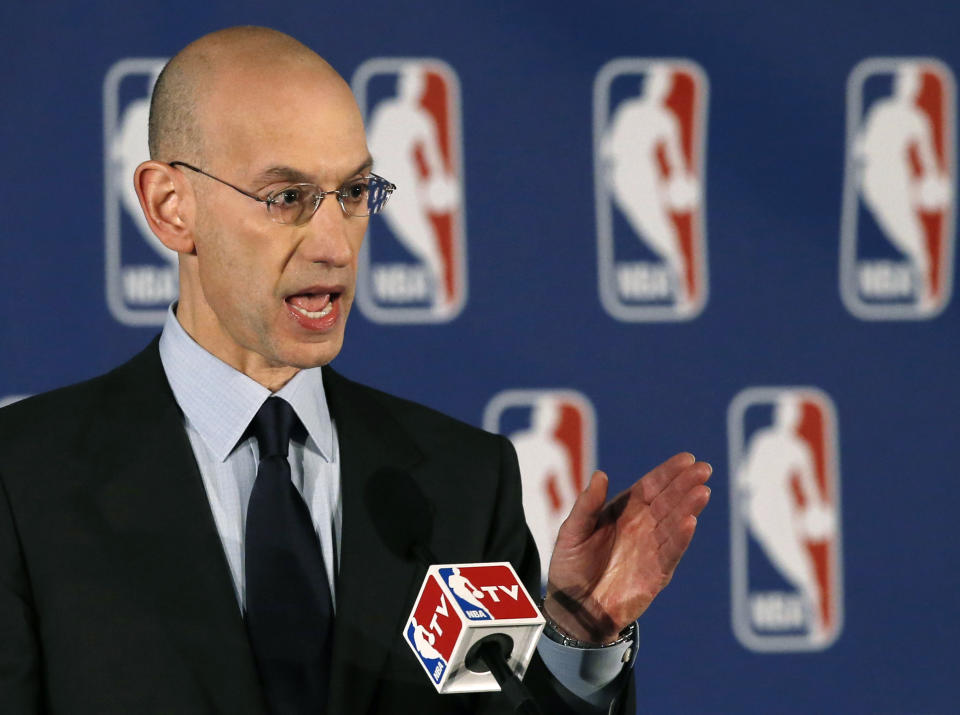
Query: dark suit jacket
[[115, 594]]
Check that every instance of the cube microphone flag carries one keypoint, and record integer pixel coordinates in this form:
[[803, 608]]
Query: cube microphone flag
[[460, 608]]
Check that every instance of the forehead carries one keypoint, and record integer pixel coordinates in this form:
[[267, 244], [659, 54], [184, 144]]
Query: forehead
[[302, 117]]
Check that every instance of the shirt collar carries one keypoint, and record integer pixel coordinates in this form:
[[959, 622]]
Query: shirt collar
[[220, 401]]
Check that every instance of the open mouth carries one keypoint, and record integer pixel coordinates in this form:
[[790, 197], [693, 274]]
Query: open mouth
[[313, 305]]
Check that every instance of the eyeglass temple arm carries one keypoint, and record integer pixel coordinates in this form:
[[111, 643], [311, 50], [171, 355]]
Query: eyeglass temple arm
[[216, 178]]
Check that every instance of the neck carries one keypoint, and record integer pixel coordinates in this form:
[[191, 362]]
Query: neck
[[210, 335]]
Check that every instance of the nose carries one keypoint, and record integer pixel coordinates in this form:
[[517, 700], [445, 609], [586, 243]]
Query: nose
[[331, 234]]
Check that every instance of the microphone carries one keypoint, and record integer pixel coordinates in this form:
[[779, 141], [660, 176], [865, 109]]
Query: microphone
[[473, 627], [467, 615]]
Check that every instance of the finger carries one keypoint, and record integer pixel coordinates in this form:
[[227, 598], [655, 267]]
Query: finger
[[673, 548], [659, 477], [692, 504], [582, 520], [668, 499]]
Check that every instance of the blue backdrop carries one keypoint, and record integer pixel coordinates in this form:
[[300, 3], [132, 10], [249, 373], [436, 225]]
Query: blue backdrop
[[768, 104]]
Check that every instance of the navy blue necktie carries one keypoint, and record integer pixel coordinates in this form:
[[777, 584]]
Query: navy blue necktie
[[289, 609]]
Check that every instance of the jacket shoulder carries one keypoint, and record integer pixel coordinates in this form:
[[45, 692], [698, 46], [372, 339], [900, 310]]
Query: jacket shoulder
[[427, 426], [64, 420]]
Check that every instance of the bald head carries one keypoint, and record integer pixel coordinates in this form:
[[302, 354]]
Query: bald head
[[182, 93], [256, 110]]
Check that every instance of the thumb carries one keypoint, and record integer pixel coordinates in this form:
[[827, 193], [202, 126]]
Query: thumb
[[583, 517]]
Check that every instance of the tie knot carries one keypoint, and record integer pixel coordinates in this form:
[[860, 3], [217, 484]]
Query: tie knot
[[273, 426]]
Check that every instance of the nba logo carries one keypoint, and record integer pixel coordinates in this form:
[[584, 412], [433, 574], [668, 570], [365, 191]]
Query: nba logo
[[465, 592], [554, 434], [141, 273], [784, 519], [454, 612], [413, 263], [433, 630], [488, 592], [649, 119], [899, 200]]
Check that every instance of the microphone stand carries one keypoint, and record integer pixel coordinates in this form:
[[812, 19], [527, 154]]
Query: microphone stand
[[491, 652]]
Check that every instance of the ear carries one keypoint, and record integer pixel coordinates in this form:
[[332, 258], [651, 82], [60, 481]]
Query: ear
[[167, 201]]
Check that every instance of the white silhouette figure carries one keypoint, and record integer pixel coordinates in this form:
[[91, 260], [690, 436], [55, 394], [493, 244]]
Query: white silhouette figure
[[424, 640], [463, 588], [891, 191], [776, 455], [400, 131], [639, 129], [128, 149], [547, 475]]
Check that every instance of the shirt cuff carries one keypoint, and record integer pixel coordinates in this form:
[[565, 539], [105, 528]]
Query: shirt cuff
[[586, 672]]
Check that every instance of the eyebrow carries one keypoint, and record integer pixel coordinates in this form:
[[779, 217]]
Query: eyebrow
[[288, 173]]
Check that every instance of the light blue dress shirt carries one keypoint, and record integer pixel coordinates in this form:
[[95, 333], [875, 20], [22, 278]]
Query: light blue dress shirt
[[218, 403]]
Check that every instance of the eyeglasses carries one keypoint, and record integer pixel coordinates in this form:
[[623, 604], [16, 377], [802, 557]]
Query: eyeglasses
[[296, 204]]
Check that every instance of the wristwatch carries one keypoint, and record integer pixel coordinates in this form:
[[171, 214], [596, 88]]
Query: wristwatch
[[554, 632]]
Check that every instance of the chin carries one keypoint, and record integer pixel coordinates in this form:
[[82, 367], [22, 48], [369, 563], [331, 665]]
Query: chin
[[308, 355]]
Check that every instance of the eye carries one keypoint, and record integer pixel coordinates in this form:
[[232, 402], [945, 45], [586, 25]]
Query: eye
[[355, 191], [290, 196]]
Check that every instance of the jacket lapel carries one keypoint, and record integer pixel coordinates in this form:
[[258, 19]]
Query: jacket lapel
[[154, 501], [375, 587]]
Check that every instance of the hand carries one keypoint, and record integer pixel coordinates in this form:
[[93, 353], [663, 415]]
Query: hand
[[932, 192], [611, 561], [440, 194], [683, 193], [818, 522]]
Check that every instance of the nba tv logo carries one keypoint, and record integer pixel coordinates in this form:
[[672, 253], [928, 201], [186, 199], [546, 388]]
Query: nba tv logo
[[649, 121], [413, 263], [785, 519], [899, 200], [141, 273], [554, 434]]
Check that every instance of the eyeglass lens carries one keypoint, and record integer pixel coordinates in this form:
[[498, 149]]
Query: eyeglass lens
[[361, 197]]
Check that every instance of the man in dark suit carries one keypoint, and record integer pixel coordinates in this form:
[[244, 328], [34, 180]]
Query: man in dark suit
[[122, 500]]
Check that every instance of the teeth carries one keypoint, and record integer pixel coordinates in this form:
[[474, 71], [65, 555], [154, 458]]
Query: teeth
[[310, 314]]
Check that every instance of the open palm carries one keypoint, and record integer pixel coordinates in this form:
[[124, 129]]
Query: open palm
[[611, 560]]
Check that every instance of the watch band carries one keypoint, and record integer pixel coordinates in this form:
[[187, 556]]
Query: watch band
[[554, 632]]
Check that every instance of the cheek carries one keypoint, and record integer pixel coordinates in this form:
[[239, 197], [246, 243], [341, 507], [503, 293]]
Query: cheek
[[233, 274]]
